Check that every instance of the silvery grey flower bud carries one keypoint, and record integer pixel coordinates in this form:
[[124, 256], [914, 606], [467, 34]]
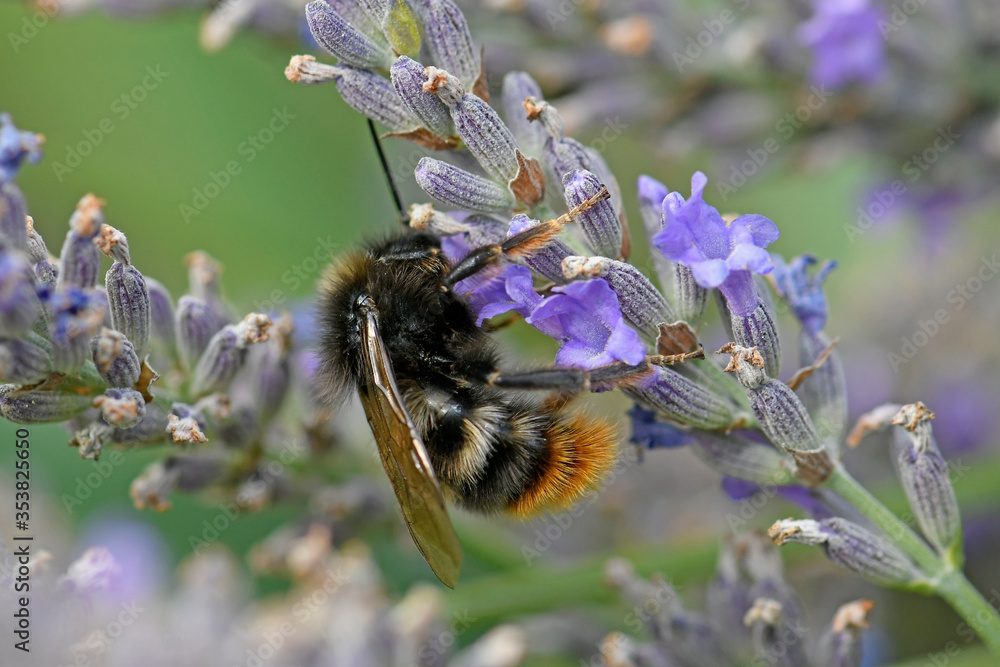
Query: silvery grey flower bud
[[128, 299], [775, 640], [852, 547], [80, 261], [153, 487], [240, 426], [780, 413], [408, 81], [479, 126], [161, 314], [841, 644], [115, 358], [37, 250], [269, 374], [40, 407], [824, 392], [600, 223], [19, 304], [91, 439], [517, 87], [678, 399], [736, 456], [76, 316], [150, 430], [195, 327], [186, 424], [121, 408], [226, 353], [373, 11], [758, 330], [23, 362], [13, 211], [690, 297], [924, 476], [448, 40], [374, 97], [343, 40], [641, 303], [547, 261], [459, 188]]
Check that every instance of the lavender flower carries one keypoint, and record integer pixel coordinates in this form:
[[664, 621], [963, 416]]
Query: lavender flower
[[16, 146], [449, 41], [80, 260], [121, 408], [847, 42], [586, 317]]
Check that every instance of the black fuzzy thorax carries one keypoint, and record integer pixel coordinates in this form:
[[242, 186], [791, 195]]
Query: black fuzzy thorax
[[484, 444]]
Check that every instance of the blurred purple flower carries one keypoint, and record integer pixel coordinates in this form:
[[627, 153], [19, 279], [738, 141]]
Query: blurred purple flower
[[803, 292], [650, 433], [720, 255], [587, 318], [740, 489], [15, 146], [846, 41]]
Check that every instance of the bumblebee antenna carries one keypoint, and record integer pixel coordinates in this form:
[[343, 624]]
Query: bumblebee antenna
[[396, 199]]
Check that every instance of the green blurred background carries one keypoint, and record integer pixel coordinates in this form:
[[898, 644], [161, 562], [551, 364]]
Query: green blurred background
[[317, 185]]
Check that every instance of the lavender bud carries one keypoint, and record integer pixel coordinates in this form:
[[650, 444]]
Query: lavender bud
[[121, 408], [517, 87], [479, 126], [80, 260], [743, 458], [268, 367], [757, 330], [37, 250], [852, 547], [19, 305], [408, 82], [641, 303], [780, 413], [824, 392], [150, 430], [547, 260], [161, 314], [774, 637], [128, 298], [226, 353], [195, 325], [91, 440], [40, 407], [240, 426], [115, 358], [46, 275], [449, 41], [76, 316], [186, 424], [13, 211], [343, 40], [460, 188], [599, 223], [153, 487], [924, 476], [23, 362], [680, 400], [566, 156], [374, 11], [690, 297], [374, 97], [840, 645]]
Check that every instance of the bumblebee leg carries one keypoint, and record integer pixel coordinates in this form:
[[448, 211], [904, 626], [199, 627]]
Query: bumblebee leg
[[524, 243], [572, 380]]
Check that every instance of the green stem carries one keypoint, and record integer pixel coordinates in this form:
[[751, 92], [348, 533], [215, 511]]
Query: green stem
[[943, 579]]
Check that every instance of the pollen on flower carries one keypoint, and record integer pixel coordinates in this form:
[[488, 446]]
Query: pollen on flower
[[88, 219]]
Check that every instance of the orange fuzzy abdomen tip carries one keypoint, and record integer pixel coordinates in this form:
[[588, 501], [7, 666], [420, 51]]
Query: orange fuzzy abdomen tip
[[580, 452]]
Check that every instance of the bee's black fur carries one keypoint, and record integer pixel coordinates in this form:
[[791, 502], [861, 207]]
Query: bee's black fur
[[487, 446]]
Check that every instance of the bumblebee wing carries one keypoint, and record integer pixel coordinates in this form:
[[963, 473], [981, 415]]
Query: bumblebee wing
[[406, 460]]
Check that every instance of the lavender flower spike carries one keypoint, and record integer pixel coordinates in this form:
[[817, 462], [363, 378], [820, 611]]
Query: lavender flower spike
[[852, 547], [924, 476], [226, 353], [449, 41], [599, 223], [642, 304], [343, 40], [461, 189], [479, 126]]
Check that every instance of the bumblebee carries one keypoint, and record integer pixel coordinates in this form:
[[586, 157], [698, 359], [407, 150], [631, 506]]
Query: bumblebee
[[442, 413]]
